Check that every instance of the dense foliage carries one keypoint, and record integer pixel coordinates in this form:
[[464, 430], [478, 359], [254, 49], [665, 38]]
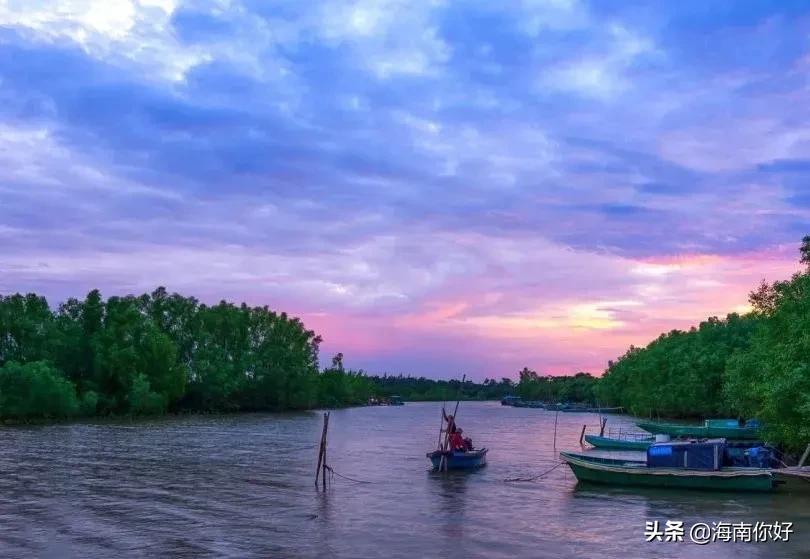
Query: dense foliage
[[155, 353], [576, 388], [757, 365], [679, 373], [163, 352], [421, 388]]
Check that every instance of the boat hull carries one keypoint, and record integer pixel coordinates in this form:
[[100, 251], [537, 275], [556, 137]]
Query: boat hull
[[617, 444], [637, 474], [699, 431], [459, 460], [793, 479]]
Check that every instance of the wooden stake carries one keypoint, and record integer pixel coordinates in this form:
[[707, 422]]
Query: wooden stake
[[581, 436], [325, 431], [320, 469], [602, 428], [556, 414]]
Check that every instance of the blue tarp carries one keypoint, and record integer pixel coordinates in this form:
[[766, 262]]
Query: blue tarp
[[691, 455]]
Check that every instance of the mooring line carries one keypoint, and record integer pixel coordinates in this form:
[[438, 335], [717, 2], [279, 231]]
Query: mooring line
[[538, 476], [334, 473]]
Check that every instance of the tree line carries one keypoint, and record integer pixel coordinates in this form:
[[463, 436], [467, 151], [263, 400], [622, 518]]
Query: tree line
[[150, 354], [755, 365], [579, 388], [160, 352]]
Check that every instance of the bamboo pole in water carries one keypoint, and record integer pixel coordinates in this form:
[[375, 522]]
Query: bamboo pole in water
[[325, 431], [556, 414], [320, 469], [581, 436], [602, 427]]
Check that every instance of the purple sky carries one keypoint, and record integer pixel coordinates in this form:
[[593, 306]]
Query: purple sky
[[436, 187]]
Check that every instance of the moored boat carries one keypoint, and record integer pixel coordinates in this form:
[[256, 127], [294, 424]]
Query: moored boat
[[585, 409], [711, 428], [456, 460], [680, 465], [608, 443], [793, 479]]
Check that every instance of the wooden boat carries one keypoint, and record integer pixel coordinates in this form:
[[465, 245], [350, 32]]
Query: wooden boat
[[456, 460], [511, 401], [585, 409], [640, 443], [613, 471], [712, 428], [576, 408], [793, 479]]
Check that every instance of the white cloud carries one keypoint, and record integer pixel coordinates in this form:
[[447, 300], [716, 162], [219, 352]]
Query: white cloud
[[735, 143], [119, 31], [388, 37], [541, 15], [601, 75]]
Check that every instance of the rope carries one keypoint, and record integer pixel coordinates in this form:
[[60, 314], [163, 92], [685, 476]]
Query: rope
[[538, 476], [334, 473]]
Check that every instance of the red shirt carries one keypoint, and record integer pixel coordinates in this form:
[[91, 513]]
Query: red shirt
[[457, 442]]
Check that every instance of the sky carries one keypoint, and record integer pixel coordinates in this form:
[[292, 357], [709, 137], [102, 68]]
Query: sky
[[435, 187]]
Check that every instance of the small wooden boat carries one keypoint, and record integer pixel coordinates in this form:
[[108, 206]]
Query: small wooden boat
[[639, 443], [613, 471], [585, 409], [793, 478], [712, 428], [575, 408], [677, 464], [457, 460]]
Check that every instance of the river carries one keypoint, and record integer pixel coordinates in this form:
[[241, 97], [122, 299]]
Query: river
[[242, 486]]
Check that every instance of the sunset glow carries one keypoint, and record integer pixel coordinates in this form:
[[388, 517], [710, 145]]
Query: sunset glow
[[435, 187]]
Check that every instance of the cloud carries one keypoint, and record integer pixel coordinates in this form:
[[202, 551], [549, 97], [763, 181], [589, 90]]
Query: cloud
[[432, 185], [124, 32], [603, 69]]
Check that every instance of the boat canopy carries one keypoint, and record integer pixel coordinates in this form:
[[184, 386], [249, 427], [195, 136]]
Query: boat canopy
[[703, 455], [723, 423]]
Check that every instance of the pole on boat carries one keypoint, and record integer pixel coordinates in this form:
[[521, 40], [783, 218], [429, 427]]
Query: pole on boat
[[602, 427], [581, 436], [320, 469], [804, 456], [443, 459]]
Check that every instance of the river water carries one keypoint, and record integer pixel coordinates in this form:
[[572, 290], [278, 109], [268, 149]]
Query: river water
[[242, 486]]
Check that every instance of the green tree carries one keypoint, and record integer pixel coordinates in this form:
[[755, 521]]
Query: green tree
[[35, 390]]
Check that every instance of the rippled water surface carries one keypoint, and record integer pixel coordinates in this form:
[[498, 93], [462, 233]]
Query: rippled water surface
[[242, 486]]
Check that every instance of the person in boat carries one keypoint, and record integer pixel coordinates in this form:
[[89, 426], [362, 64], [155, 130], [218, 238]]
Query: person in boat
[[457, 441], [451, 422], [468, 445]]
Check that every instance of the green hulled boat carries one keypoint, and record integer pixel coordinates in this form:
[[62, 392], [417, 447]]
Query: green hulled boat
[[711, 428], [608, 443], [613, 471]]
